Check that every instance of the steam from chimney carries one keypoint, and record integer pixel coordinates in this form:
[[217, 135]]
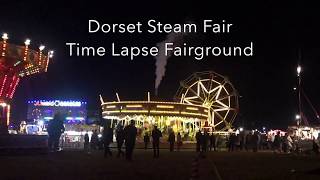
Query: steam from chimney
[[161, 58]]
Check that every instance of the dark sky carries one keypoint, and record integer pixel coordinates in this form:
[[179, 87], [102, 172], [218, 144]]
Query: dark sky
[[265, 81]]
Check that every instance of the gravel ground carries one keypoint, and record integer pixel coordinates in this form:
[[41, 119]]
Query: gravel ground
[[175, 165]]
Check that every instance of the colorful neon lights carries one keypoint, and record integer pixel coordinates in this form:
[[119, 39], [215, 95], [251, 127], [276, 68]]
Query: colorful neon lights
[[58, 103]]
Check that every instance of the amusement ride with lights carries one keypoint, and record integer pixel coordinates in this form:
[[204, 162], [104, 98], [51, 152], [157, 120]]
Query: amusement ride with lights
[[206, 101], [17, 62]]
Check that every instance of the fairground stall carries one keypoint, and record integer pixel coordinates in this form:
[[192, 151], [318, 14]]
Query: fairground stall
[[40, 112]]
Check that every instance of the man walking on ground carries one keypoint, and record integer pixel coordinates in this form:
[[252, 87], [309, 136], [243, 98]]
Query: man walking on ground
[[55, 129], [171, 140], [86, 142], [212, 142], [146, 140], [130, 133], [179, 141], [198, 139], [108, 138], [156, 134], [120, 139]]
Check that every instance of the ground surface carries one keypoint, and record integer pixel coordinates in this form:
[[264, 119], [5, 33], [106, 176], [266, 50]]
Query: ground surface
[[175, 165]]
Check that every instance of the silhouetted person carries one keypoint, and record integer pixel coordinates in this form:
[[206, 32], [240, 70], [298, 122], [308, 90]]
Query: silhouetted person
[[94, 139], [231, 142], [107, 140], [237, 142], [315, 146], [255, 141], [146, 140], [277, 143], [248, 141], [86, 142], [130, 132], [156, 135], [198, 139], [212, 142], [55, 129], [204, 142], [120, 139], [179, 141], [171, 140]]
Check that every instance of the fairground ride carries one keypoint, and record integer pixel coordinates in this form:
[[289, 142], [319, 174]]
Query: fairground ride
[[17, 62], [206, 101], [306, 128]]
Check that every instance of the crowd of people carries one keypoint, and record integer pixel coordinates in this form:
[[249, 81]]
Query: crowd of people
[[126, 136]]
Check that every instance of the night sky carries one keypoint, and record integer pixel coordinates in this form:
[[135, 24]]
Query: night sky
[[264, 81]]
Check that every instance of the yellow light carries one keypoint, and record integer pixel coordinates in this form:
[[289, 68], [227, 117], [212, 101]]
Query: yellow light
[[165, 106], [108, 112], [134, 106], [168, 122], [175, 128], [164, 112], [146, 102], [110, 107], [192, 108], [8, 115], [195, 114], [134, 111], [3, 104]]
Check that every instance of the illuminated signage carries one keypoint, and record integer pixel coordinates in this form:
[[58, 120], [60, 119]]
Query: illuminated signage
[[58, 103]]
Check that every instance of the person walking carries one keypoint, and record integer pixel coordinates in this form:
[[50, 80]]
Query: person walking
[[212, 142], [171, 140], [231, 142], [94, 140], [108, 139], [205, 139], [86, 142], [277, 143], [248, 142], [146, 140], [198, 140], [55, 129], [156, 135], [255, 141], [120, 139], [179, 141], [130, 134]]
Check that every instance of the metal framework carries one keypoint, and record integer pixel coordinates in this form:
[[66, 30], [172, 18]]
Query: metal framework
[[16, 62], [215, 92]]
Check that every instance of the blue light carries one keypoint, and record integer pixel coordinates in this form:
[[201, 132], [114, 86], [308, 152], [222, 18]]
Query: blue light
[[48, 118], [69, 118]]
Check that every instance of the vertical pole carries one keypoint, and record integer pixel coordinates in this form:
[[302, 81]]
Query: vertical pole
[[8, 115], [299, 100]]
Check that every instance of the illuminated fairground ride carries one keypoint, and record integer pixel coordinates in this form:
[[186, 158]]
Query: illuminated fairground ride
[[205, 100], [17, 62], [216, 93]]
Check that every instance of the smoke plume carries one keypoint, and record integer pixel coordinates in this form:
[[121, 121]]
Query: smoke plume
[[161, 58]]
